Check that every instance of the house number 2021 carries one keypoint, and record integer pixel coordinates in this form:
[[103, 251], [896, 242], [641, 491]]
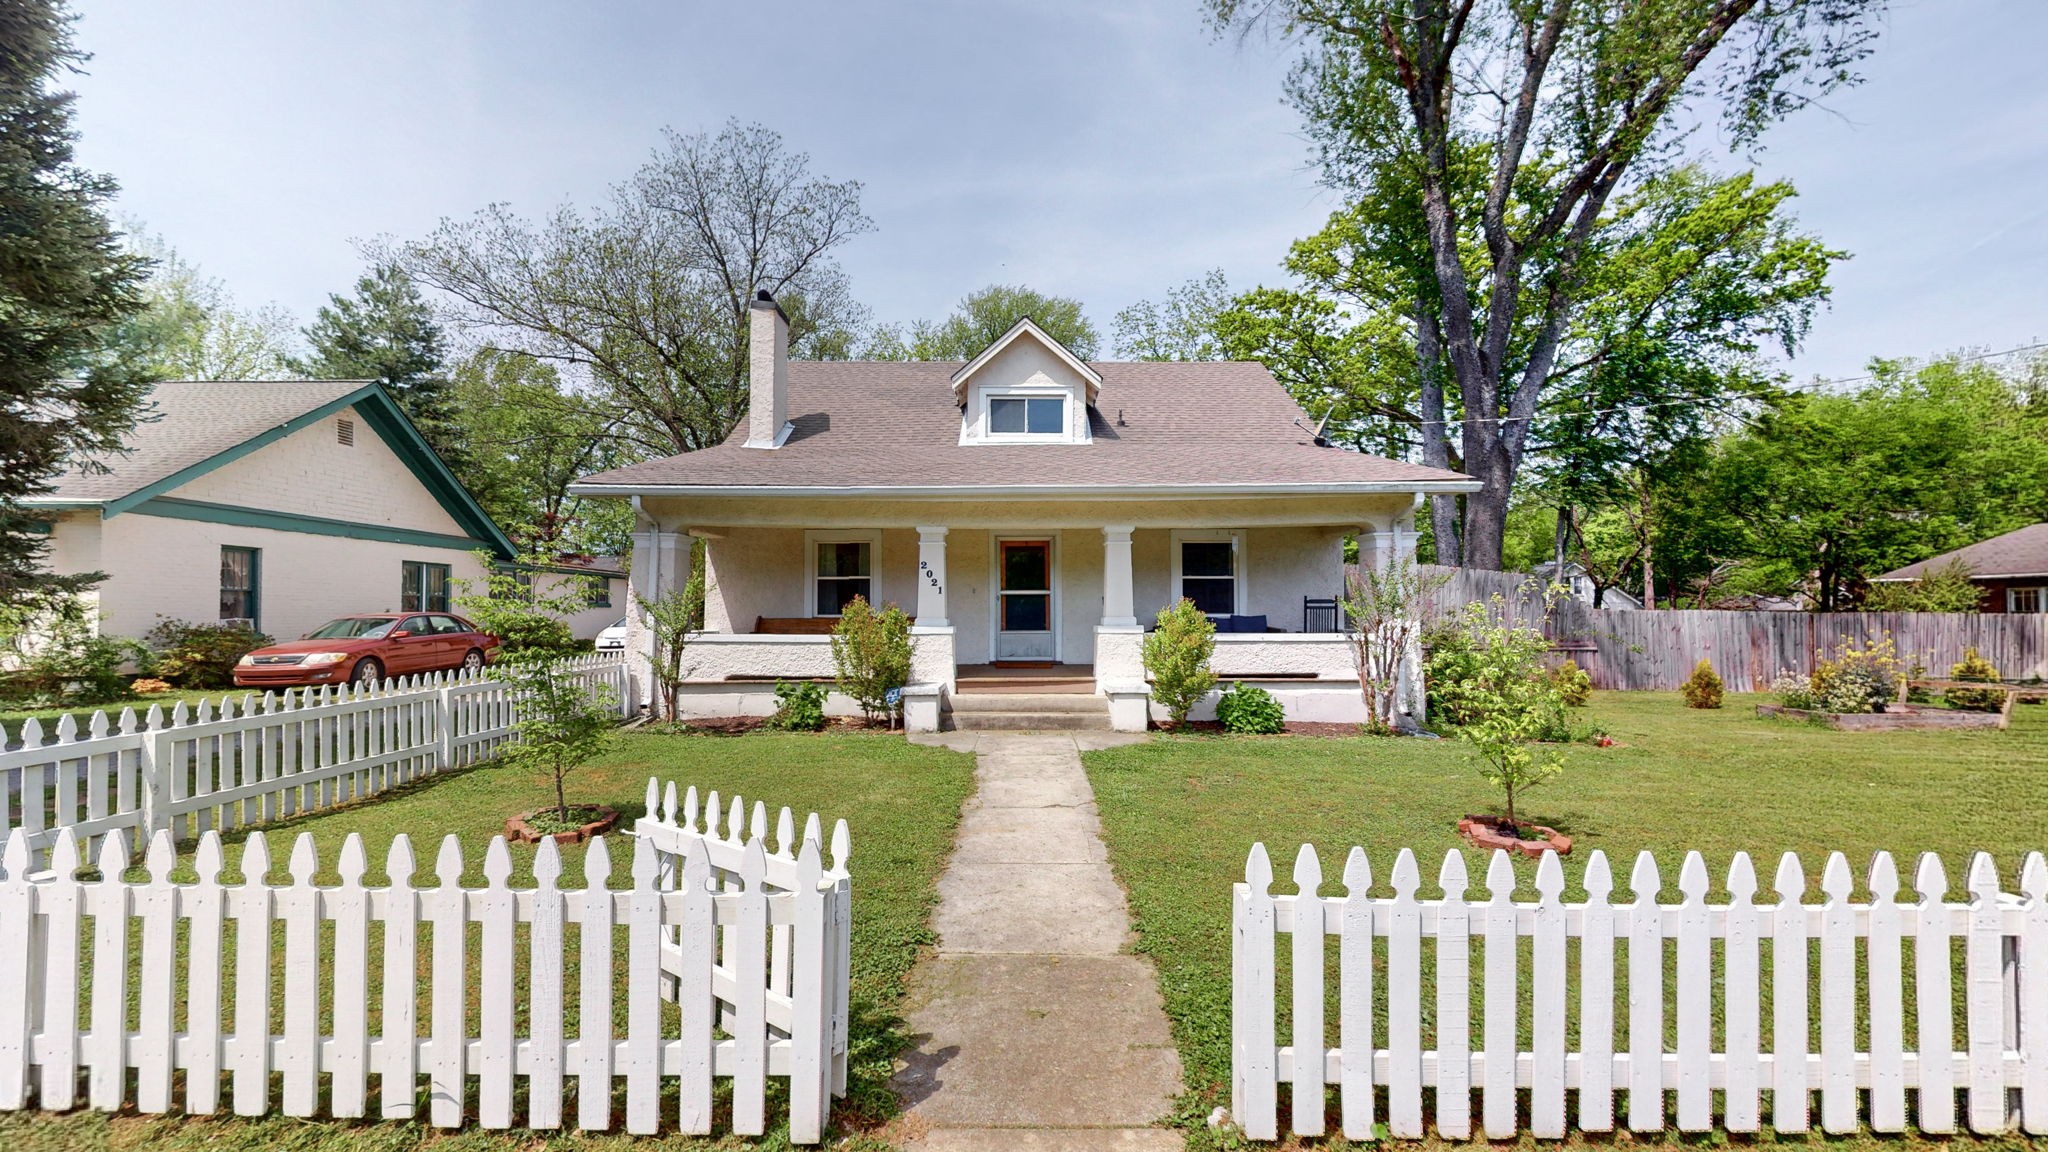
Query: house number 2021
[[930, 576]]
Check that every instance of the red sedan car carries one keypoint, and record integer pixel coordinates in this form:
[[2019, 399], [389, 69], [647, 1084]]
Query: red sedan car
[[367, 648]]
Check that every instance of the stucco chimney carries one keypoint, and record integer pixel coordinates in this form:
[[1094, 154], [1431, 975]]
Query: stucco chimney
[[767, 373]]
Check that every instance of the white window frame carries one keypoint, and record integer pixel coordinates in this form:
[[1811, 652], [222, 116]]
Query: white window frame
[[2040, 600], [982, 426], [1235, 538], [872, 537]]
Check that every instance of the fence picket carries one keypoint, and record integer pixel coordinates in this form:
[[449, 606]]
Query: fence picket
[[1355, 999], [809, 1075], [2033, 1000], [544, 966], [643, 1005], [1934, 1000], [156, 906], [1306, 978], [1453, 1002], [1984, 999], [107, 1051], [299, 908], [251, 907], [448, 1057], [350, 905], [1789, 1082], [59, 904], [594, 995], [1404, 1000], [398, 1065], [1741, 1006], [1257, 1099], [1547, 1015], [750, 1010], [1503, 997], [1694, 990], [1645, 999], [1596, 999], [498, 914], [1886, 1000], [17, 915]]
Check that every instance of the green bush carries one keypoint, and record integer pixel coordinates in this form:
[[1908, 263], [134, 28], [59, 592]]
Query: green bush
[[1177, 653], [799, 706], [1574, 684], [1857, 679], [72, 666], [871, 651], [1974, 667], [523, 615], [1489, 674], [1250, 711], [201, 655], [1702, 689]]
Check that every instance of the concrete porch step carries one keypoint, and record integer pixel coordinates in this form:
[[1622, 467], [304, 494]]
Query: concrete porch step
[[1028, 702], [1028, 721]]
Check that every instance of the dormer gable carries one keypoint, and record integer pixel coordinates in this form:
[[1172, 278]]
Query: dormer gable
[[1026, 388]]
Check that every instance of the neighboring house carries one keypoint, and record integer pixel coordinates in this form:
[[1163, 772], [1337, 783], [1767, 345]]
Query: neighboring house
[[601, 579], [2011, 569], [282, 503], [1581, 586], [1030, 509]]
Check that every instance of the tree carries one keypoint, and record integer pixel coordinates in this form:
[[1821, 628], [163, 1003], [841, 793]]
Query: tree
[[647, 298], [672, 617], [1517, 126], [192, 329], [561, 722], [526, 438], [1180, 327], [68, 388], [509, 603], [385, 332], [1387, 611], [981, 319], [1176, 655]]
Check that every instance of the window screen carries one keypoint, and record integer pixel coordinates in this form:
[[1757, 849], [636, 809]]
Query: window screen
[[1208, 575], [843, 574]]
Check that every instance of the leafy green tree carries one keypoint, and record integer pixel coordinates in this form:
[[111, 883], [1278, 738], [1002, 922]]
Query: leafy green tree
[[1502, 698], [68, 387], [673, 617], [526, 439], [561, 722], [1946, 589], [191, 327], [1523, 129], [1180, 327], [385, 331], [527, 617], [981, 319], [647, 298]]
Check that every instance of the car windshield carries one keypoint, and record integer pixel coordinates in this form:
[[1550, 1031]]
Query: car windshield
[[352, 628]]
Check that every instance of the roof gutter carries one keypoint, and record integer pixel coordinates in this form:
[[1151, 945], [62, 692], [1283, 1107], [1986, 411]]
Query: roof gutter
[[1031, 491]]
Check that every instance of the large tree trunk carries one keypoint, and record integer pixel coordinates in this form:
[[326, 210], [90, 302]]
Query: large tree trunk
[[1486, 511], [1436, 436]]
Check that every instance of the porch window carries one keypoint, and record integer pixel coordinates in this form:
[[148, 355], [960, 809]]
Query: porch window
[[1206, 572], [1027, 415], [844, 570], [423, 587], [2026, 599], [239, 580]]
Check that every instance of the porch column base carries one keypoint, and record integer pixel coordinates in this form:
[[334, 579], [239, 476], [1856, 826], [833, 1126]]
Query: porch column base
[[1130, 706], [923, 706], [931, 656], [1119, 655]]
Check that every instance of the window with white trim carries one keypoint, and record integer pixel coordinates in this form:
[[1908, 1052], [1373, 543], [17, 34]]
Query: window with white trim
[[2026, 599], [841, 566], [1208, 568], [1035, 412]]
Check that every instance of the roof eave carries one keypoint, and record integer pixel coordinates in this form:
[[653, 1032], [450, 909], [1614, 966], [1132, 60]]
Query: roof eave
[[1032, 491]]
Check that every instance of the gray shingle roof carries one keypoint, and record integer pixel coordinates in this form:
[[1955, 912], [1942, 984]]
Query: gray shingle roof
[[894, 425], [188, 421], [2022, 552]]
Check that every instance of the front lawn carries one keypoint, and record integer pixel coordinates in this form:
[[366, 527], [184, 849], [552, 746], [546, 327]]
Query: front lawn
[[1180, 814], [900, 802], [12, 715]]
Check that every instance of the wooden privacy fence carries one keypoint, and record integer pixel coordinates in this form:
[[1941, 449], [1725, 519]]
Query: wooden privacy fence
[[258, 759], [574, 990], [1727, 1009], [1656, 650]]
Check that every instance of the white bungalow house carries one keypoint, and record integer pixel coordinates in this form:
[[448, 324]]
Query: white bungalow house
[[282, 503], [1035, 511]]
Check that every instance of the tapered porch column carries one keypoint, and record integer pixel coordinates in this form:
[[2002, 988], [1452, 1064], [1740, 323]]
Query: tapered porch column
[[931, 578], [1117, 598], [661, 566]]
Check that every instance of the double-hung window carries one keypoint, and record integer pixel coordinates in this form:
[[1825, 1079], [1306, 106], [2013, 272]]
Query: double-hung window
[[2026, 599], [1027, 415], [240, 581], [425, 587], [841, 569], [598, 591], [1206, 572]]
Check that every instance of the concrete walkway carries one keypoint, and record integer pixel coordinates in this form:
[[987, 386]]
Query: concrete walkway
[[1032, 1030]]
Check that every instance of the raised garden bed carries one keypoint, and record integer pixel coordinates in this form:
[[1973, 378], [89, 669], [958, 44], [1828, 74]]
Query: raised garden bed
[[1490, 832], [1895, 718], [519, 831]]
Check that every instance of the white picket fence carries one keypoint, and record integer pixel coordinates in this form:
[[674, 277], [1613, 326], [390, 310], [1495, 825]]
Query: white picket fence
[[257, 758], [718, 933], [1865, 1067]]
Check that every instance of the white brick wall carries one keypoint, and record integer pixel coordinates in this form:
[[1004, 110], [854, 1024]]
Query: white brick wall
[[311, 473]]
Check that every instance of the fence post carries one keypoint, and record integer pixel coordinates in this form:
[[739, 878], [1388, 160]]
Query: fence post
[[444, 719], [153, 772]]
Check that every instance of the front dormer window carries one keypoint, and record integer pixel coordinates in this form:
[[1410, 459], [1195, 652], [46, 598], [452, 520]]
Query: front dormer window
[[1027, 415]]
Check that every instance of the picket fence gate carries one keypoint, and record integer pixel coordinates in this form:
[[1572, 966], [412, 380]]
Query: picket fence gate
[[2001, 1068], [720, 932], [259, 758]]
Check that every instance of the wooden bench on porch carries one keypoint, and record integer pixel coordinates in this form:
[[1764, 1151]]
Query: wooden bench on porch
[[794, 625]]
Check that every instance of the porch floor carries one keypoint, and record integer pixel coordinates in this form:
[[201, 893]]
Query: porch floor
[[1078, 679]]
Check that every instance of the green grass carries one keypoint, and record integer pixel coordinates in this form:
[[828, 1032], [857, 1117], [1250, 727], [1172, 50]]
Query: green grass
[[1180, 814], [12, 716], [901, 804]]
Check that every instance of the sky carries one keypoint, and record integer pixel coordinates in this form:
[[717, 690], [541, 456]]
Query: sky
[[1105, 151]]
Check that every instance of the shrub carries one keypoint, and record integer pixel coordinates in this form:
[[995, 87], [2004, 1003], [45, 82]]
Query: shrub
[[1492, 679], [1857, 679], [70, 666], [201, 655], [149, 686], [1974, 667], [561, 723], [1794, 690], [523, 615], [871, 651], [1177, 653], [1249, 710], [799, 706], [1574, 684], [1946, 589], [1702, 689]]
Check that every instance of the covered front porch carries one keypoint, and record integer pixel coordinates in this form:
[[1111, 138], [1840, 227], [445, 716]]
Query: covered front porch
[[1061, 596]]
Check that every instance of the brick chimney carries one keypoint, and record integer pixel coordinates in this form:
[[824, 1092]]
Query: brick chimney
[[767, 373]]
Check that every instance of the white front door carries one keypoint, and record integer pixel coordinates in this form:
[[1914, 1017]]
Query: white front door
[[1024, 600]]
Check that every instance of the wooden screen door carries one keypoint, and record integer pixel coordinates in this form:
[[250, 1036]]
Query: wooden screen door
[[1024, 600]]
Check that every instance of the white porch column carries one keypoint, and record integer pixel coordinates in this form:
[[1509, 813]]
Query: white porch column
[[661, 564], [1117, 599], [931, 578]]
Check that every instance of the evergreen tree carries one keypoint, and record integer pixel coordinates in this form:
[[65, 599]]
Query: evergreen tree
[[385, 332], [66, 286]]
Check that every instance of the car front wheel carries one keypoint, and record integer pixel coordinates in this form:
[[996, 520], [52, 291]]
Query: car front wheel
[[366, 673], [473, 660]]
